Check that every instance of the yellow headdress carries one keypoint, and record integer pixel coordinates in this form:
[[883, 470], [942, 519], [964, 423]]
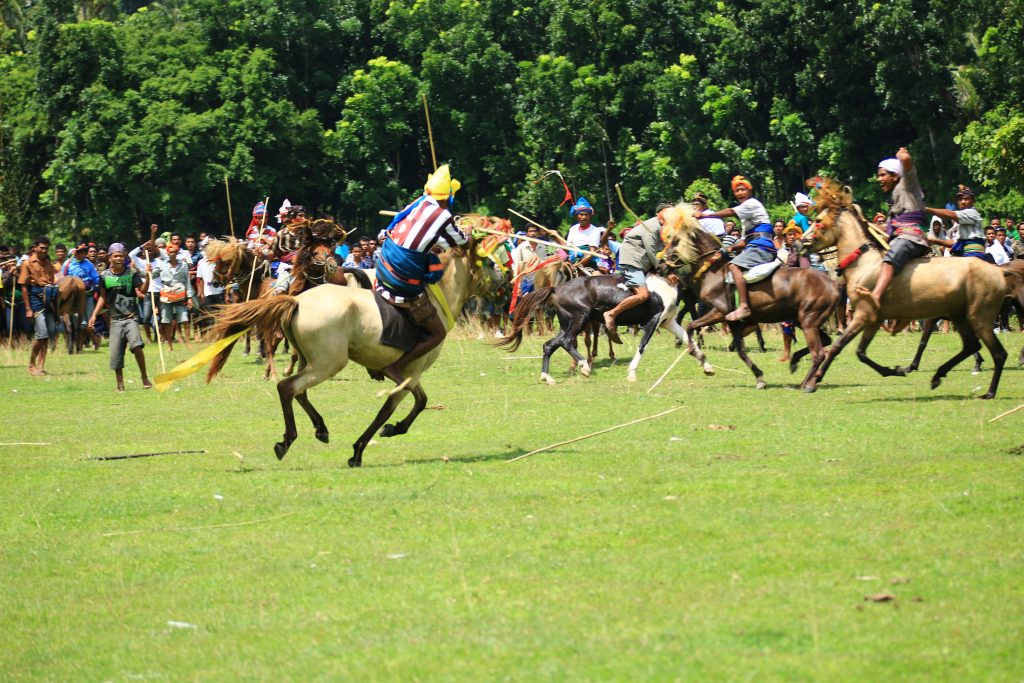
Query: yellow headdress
[[440, 184]]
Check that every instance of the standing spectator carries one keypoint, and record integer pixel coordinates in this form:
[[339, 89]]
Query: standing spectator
[[150, 318], [210, 293], [119, 289], [36, 279], [175, 295], [366, 262], [994, 248], [777, 238], [60, 255], [355, 255]]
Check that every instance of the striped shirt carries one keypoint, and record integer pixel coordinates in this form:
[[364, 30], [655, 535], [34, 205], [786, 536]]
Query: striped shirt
[[427, 225]]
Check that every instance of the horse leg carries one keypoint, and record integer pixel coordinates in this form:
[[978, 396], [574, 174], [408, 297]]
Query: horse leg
[[760, 338], [545, 364], [318, 421], [970, 345], [569, 344], [287, 393], [419, 403], [798, 355], [649, 328], [270, 349], [683, 338], [382, 416], [995, 347], [291, 365], [813, 337], [741, 351], [862, 355], [926, 334], [853, 328]]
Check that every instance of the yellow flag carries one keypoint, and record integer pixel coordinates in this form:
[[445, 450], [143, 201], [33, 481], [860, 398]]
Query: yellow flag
[[163, 382], [442, 301]]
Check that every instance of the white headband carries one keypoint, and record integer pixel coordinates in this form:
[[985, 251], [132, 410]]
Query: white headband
[[894, 166], [801, 198]]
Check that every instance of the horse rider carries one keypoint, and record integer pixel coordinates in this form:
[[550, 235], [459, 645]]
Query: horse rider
[[638, 256], [583, 234], [970, 228], [407, 262], [285, 245], [259, 234], [757, 243], [907, 220], [715, 226]]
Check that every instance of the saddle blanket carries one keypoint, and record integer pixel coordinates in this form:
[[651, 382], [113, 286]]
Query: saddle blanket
[[758, 273], [397, 330]]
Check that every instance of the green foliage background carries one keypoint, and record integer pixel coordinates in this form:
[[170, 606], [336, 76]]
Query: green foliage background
[[115, 114]]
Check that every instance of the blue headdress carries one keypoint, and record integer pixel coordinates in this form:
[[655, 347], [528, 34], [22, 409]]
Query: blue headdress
[[581, 205]]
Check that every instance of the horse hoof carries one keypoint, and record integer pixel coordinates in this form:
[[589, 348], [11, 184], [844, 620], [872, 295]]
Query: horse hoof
[[323, 435], [545, 377], [709, 371], [280, 448], [355, 462], [976, 370], [760, 384], [631, 378], [585, 370], [936, 381], [810, 389], [987, 396], [679, 343], [390, 430]]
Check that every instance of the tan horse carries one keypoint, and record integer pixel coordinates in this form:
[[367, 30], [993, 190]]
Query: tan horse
[[329, 326], [967, 291]]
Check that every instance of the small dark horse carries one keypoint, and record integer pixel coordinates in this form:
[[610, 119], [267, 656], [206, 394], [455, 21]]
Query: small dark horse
[[802, 294], [582, 301]]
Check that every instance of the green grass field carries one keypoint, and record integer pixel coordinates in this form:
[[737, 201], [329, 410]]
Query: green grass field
[[663, 551]]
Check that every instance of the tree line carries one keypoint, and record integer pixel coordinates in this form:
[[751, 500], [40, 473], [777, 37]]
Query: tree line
[[115, 114]]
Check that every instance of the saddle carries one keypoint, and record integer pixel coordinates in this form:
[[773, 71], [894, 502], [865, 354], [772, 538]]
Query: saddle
[[757, 273], [397, 329]]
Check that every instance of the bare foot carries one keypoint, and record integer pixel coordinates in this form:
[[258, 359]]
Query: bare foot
[[120, 388], [609, 327], [869, 295], [783, 359], [146, 384], [393, 373], [35, 372], [739, 314]]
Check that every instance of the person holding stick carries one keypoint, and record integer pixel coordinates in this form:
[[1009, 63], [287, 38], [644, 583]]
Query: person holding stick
[[119, 290], [36, 278], [407, 262]]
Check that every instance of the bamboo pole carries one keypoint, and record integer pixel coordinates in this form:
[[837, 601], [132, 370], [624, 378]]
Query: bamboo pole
[[665, 374], [597, 433], [10, 332], [231, 218], [556, 245], [430, 131], [1008, 412]]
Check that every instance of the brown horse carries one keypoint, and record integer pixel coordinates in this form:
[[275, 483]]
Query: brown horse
[[967, 291], [69, 307], [801, 294]]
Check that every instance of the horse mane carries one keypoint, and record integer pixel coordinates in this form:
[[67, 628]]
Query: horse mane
[[314, 233], [830, 194], [228, 250], [681, 230]]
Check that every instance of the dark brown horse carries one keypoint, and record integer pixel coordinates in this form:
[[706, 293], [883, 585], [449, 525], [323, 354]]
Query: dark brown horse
[[801, 294]]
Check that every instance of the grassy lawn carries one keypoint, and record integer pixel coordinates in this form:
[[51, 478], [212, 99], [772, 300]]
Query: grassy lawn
[[664, 551]]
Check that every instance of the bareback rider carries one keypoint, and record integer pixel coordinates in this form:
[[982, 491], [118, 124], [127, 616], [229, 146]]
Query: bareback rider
[[285, 245], [758, 246], [970, 226], [907, 220], [407, 264], [638, 256]]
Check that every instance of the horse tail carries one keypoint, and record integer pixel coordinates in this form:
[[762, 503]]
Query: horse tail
[[265, 314], [524, 311], [360, 276]]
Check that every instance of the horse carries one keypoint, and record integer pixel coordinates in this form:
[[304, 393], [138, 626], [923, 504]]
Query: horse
[[928, 327], [967, 291], [582, 301], [329, 326], [69, 307], [801, 294]]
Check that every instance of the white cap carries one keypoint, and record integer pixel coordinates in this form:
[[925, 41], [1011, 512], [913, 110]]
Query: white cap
[[801, 198], [892, 165]]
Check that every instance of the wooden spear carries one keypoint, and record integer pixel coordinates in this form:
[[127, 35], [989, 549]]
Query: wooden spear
[[259, 238], [587, 436], [231, 219], [152, 302]]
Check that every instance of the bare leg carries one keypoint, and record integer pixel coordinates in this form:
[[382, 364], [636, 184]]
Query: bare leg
[[885, 274], [435, 335], [140, 358], [741, 289], [642, 294], [787, 345], [119, 375]]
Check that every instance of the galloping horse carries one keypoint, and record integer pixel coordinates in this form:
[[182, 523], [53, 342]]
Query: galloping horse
[[967, 291], [802, 294], [582, 301], [330, 325]]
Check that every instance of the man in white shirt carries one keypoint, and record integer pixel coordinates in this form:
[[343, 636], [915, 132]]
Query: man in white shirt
[[583, 233]]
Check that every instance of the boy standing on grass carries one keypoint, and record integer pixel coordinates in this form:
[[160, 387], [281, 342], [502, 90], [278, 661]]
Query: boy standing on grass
[[120, 290], [37, 274]]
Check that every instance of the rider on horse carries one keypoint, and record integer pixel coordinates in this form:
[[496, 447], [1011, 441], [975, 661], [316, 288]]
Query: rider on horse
[[285, 245], [638, 256], [907, 220], [757, 240], [407, 262]]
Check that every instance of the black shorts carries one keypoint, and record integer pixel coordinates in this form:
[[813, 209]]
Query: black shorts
[[901, 251]]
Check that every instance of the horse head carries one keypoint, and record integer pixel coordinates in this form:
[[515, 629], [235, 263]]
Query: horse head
[[685, 241], [228, 256], [832, 201]]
